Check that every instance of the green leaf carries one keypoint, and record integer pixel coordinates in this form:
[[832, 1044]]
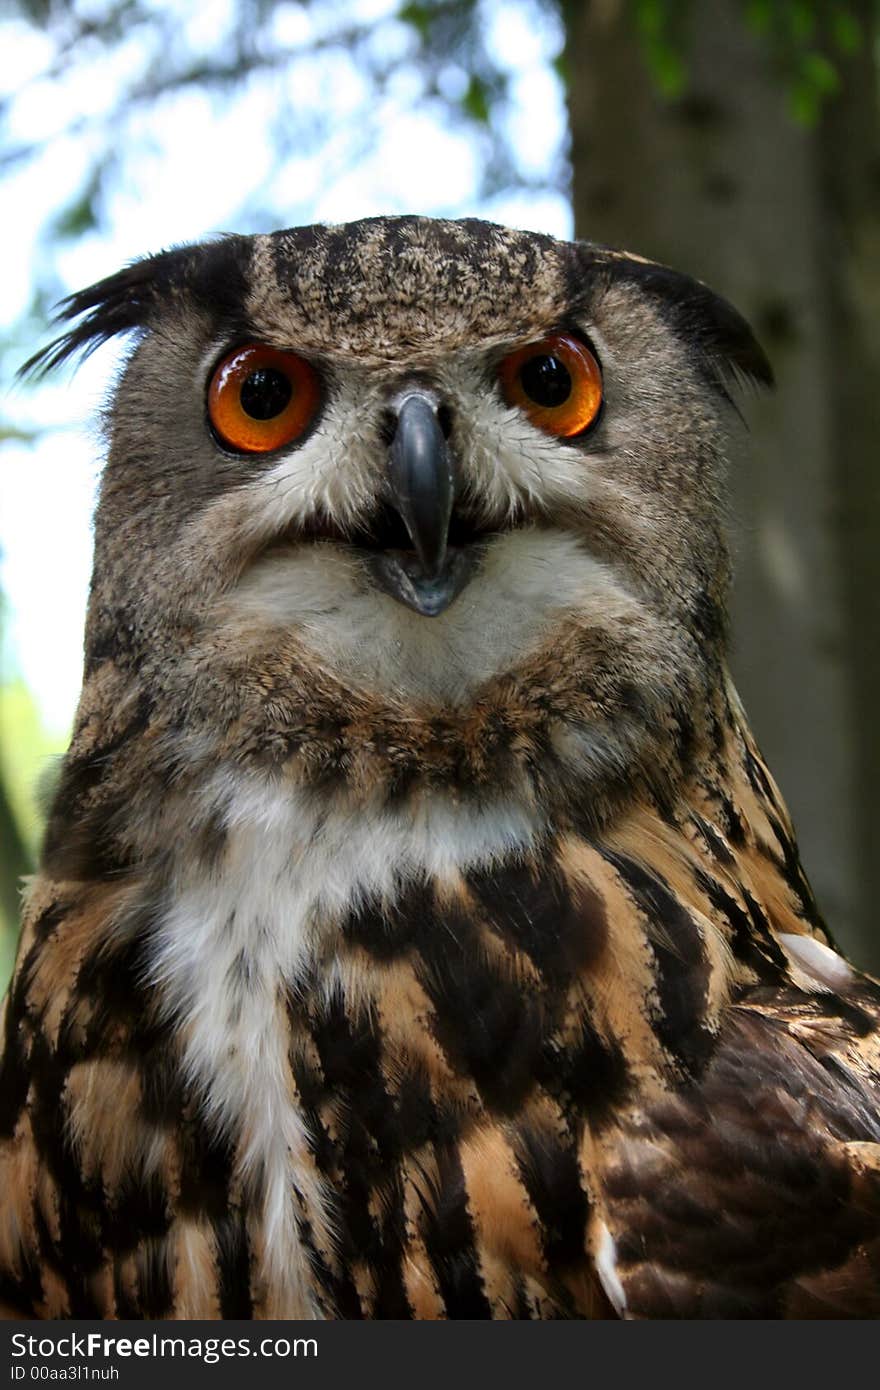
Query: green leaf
[[669, 70], [801, 20], [25, 749], [419, 16], [78, 217], [18, 433], [804, 102], [821, 75], [759, 15], [846, 31], [656, 22], [476, 101], [651, 17]]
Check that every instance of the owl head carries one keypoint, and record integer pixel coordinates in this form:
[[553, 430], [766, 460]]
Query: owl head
[[408, 502]]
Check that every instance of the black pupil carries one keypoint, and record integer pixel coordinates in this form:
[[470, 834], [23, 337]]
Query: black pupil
[[546, 380], [265, 393]]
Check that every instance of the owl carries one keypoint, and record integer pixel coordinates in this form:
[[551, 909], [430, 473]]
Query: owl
[[419, 932]]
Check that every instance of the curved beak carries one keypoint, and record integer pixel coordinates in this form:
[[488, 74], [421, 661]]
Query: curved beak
[[421, 487], [421, 480]]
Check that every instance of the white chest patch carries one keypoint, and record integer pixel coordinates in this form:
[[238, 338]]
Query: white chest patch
[[237, 939]]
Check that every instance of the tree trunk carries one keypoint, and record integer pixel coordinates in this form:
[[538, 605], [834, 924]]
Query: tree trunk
[[849, 147], [782, 220]]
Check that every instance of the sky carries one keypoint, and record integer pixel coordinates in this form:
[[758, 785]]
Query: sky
[[189, 166]]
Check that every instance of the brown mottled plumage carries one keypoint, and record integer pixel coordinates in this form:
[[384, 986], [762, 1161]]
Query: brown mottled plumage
[[386, 965]]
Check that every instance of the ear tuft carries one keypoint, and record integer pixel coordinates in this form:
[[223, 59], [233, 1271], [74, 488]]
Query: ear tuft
[[118, 304], [211, 273], [728, 352]]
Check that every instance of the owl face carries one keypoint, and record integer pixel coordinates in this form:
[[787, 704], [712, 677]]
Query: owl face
[[415, 471]]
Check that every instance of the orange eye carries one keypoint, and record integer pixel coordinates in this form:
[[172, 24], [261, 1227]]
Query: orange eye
[[261, 398], [557, 382]]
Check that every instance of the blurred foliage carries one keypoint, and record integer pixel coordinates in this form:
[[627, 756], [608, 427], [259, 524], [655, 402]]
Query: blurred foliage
[[807, 39], [662, 25], [28, 756], [334, 74], [423, 54]]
